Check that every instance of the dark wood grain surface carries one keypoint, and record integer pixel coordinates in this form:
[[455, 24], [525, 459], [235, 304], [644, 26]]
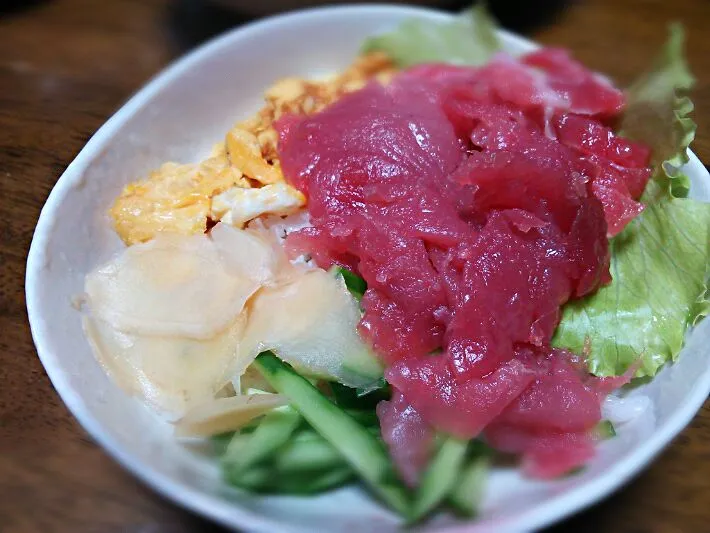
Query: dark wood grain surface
[[65, 67]]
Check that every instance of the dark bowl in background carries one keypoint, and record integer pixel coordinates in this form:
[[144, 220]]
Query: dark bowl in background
[[519, 15]]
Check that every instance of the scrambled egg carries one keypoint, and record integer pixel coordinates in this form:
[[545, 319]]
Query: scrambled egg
[[242, 178], [237, 206]]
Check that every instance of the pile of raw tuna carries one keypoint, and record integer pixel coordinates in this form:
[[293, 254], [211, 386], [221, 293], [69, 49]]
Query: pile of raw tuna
[[475, 202]]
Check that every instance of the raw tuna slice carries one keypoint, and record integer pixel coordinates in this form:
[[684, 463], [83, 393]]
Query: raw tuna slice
[[409, 439], [473, 203], [462, 409], [499, 105], [372, 133], [511, 293], [532, 173], [557, 400], [541, 84], [589, 256], [551, 423], [618, 167], [376, 205], [440, 74], [590, 137], [603, 386], [587, 92], [545, 454], [504, 80], [619, 206]]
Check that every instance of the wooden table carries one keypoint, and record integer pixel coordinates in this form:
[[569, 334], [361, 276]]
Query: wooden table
[[65, 67]]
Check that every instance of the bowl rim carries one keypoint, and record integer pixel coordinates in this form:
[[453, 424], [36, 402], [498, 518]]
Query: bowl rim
[[231, 514]]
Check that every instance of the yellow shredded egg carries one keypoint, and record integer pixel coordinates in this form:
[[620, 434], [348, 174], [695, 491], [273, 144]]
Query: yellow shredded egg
[[242, 178], [237, 206], [175, 198]]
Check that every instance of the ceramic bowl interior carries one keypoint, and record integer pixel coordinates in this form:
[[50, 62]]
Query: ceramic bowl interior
[[178, 116]]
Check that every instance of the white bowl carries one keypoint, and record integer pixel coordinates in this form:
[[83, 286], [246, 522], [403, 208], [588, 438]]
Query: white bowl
[[177, 116]]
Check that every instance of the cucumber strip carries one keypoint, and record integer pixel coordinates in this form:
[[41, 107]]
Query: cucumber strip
[[309, 435], [251, 426], [221, 442], [268, 480], [577, 470], [273, 432], [604, 430], [467, 493], [255, 479], [366, 418], [306, 464], [315, 482], [364, 452], [310, 454], [350, 398], [235, 446], [354, 283], [439, 477]]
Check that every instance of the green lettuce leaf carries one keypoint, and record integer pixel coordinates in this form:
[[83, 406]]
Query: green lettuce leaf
[[471, 39], [658, 115], [659, 263]]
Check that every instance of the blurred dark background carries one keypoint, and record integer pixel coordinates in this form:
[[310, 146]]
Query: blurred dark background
[[217, 15], [193, 21]]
